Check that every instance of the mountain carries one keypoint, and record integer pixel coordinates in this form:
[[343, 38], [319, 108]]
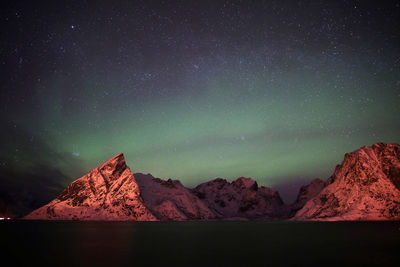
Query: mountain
[[306, 193], [240, 199], [170, 200], [366, 186], [109, 192]]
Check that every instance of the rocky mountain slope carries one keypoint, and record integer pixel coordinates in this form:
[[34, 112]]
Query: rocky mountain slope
[[366, 186], [241, 199], [109, 192], [306, 193], [170, 200]]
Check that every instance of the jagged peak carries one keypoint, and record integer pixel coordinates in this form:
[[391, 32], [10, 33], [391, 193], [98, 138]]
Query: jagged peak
[[377, 147], [118, 157], [384, 145], [358, 165], [313, 184], [117, 161], [378, 152], [241, 182], [245, 179], [268, 190], [244, 182], [216, 180], [362, 187]]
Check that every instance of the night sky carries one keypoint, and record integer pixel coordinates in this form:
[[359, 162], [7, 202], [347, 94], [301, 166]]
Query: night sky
[[193, 90]]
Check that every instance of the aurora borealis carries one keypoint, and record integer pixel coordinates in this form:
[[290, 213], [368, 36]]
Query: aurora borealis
[[193, 90]]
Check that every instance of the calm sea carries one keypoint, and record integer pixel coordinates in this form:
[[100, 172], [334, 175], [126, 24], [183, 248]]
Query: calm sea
[[46, 243]]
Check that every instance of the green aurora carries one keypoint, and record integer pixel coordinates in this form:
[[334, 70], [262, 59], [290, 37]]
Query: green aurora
[[235, 90]]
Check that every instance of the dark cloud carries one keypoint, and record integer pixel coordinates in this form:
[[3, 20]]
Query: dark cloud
[[28, 176], [23, 192]]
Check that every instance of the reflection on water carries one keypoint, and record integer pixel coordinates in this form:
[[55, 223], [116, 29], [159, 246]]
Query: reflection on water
[[200, 243]]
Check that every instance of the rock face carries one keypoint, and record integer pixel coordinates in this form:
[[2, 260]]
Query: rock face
[[366, 186], [240, 199], [307, 192], [170, 200], [109, 192]]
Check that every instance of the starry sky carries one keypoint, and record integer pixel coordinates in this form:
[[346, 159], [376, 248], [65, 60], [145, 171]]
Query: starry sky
[[193, 90]]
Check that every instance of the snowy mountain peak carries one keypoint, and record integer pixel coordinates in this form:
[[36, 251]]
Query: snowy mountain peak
[[245, 183], [307, 192], [109, 192], [116, 162], [170, 200], [240, 199], [364, 187]]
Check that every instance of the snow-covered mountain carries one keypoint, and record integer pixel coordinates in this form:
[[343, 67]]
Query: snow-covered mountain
[[306, 193], [241, 199], [170, 200], [109, 192], [366, 186]]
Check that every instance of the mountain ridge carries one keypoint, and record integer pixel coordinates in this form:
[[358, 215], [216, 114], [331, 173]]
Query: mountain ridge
[[365, 186], [108, 192]]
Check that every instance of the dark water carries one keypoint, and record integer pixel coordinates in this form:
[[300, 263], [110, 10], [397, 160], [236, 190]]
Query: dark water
[[200, 243]]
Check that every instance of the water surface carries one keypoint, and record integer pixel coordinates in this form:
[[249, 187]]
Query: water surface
[[200, 243]]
